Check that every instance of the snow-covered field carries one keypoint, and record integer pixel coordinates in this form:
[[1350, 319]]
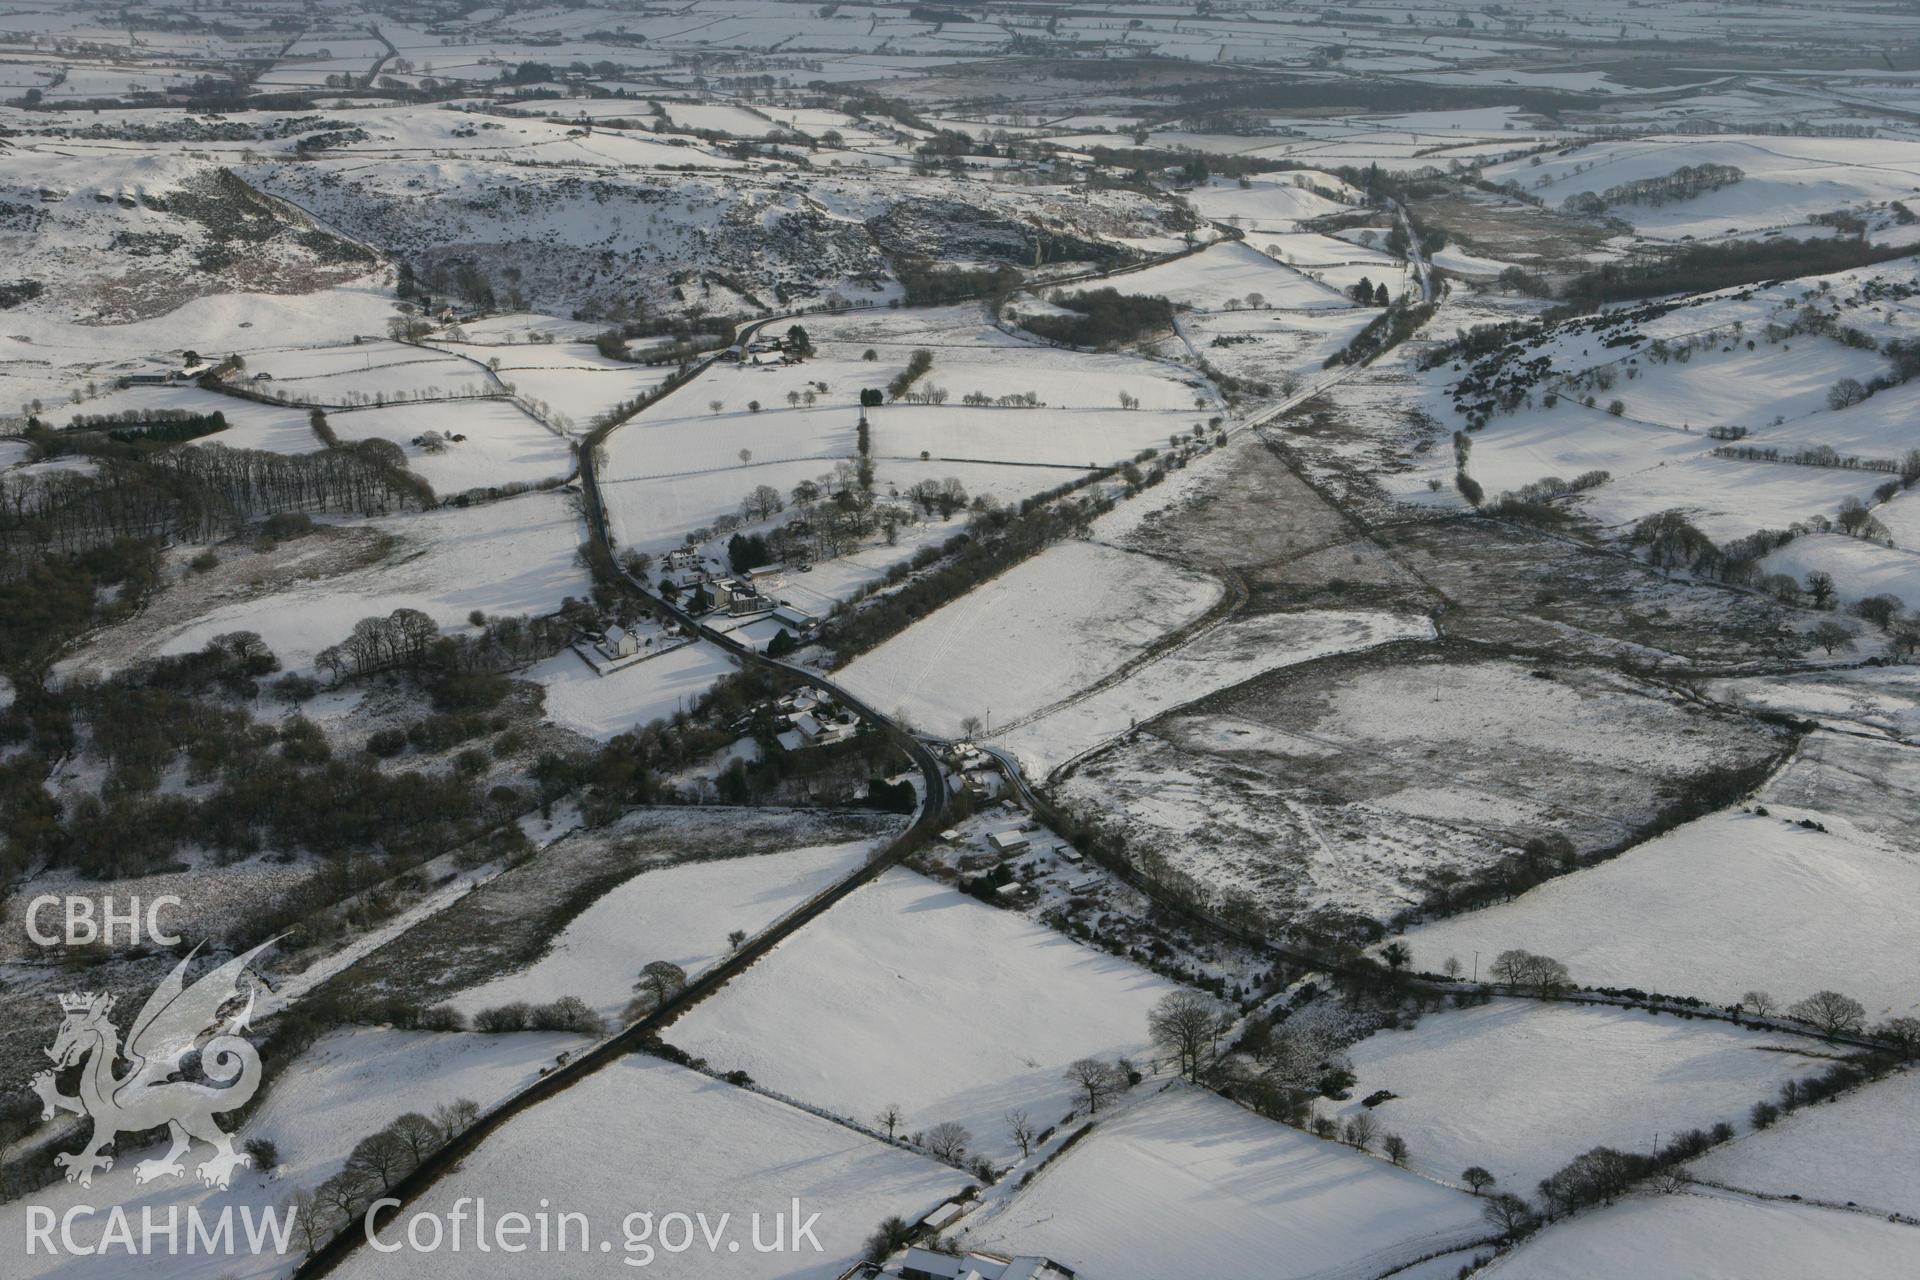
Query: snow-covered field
[[629, 697], [502, 445], [1230, 272], [1272, 202], [1727, 498], [56, 353], [1859, 568], [1788, 179], [1787, 380], [1711, 1237], [274, 428], [1073, 437], [1184, 1183], [1725, 905], [681, 463], [681, 913], [910, 992], [348, 1084], [582, 394], [644, 1136], [364, 371], [514, 557], [1856, 1150], [1520, 1087], [1043, 630]]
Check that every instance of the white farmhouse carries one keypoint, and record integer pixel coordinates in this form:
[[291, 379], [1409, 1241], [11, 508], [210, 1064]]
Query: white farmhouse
[[619, 642]]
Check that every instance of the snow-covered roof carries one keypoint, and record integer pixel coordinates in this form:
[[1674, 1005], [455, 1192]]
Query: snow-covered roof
[[984, 1266]]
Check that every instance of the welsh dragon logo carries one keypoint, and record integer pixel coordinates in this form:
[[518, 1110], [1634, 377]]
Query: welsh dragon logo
[[170, 1026]]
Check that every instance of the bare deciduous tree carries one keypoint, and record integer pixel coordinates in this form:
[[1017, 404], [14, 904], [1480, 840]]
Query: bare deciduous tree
[[418, 1134], [1829, 1012], [311, 1218], [454, 1117], [1525, 969], [380, 1157], [1020, 1129], [1095, 1079], [1188, 1025], [1830, 635], [660, 981], [1508, 1214], [1360, 1131], [947, 1141], [1902, 1033]]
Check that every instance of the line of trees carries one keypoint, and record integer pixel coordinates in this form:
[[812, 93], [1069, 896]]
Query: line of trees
[[1011, 400], [410, 639], [1532, 502], [374, 1165], [1702, 268], [89, 432], [917, 366], [195, 494], [1818, 455], [997, 540], [1684, 183], [1387, 330]]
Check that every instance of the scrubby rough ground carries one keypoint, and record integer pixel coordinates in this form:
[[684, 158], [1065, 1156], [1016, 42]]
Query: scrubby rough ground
[[1358, 784]]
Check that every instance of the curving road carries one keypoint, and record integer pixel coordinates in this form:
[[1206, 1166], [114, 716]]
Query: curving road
[[933, 805]]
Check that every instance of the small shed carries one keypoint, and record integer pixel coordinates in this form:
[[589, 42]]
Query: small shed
[[943, 1216]]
